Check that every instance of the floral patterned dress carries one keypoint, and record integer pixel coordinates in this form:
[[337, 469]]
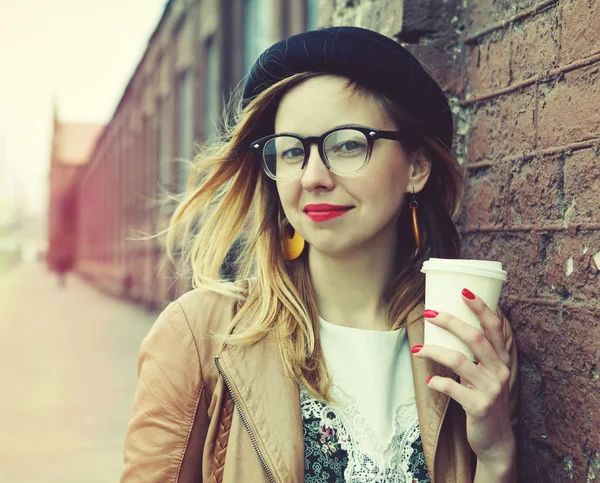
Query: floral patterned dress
[[339, 448], [369, 431]]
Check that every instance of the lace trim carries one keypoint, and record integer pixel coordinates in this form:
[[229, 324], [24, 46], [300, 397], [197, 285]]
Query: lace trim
[[368, 460]]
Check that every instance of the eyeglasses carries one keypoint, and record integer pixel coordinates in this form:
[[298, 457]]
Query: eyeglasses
[[345, 150]]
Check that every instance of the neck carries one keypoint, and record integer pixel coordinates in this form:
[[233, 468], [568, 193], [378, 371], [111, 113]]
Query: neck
[[350, 289]]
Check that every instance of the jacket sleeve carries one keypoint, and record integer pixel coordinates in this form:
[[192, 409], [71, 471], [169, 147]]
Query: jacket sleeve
[[511, 347], [169, 395]]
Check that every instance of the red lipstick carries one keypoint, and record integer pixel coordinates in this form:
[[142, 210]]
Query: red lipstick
[[325, 211]]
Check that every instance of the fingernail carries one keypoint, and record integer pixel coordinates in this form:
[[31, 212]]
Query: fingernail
[[416, 349], [467, 293], [428, 379], [430, 314]]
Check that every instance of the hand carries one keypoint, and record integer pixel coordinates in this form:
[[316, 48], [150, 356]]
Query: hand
[[483, 390]]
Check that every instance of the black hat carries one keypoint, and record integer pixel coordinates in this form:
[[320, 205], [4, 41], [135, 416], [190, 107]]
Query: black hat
[[367, 57]]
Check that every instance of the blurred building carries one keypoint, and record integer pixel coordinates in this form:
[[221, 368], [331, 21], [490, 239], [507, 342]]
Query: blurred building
[[200, 50], [70, 151]]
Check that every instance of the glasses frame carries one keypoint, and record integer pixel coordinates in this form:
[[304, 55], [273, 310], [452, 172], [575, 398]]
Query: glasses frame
[[371, 135]]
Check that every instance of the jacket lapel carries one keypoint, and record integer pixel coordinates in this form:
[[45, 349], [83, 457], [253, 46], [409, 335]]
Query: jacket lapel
[[431, 405], [270, 403]]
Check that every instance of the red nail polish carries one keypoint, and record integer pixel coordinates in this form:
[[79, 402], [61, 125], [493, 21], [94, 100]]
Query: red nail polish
[[467, 293], [428, 379], [416, 349], [430, 314]]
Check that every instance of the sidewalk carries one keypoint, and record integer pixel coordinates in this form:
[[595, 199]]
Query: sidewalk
[[68, 372]]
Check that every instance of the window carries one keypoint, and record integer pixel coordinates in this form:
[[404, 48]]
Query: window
[[185, 149], [165, 146], [212, 91], [312, 13], [258, 15]]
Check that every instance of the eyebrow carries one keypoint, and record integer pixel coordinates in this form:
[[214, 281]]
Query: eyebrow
[[354, 124]]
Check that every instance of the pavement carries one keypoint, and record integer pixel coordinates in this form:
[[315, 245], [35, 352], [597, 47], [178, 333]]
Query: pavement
[[68, 373]]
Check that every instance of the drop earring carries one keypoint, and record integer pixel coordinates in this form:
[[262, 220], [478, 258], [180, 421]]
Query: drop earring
[[415, 222], [292, 243]]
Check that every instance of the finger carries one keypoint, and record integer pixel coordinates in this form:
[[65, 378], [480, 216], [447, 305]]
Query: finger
[[461, 394], [475, 340], [492, 326], [454, 360]]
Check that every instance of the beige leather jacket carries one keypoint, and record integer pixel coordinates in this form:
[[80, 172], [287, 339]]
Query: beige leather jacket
[[185, 421]]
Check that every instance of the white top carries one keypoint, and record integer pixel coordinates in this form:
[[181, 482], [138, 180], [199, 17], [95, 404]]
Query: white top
[[375, 412], [373, 367]]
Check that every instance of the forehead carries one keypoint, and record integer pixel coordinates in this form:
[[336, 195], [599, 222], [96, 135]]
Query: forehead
[[324, 102]]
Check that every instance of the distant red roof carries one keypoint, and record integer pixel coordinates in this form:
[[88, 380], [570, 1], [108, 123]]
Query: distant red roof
[[73, 143]]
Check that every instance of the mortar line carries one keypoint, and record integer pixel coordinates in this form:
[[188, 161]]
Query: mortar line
[[536, 79], [554, 302], [471, 39], [533, 228], [576, 146]]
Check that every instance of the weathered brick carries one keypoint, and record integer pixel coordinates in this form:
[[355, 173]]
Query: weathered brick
[[483, 13], [516, 251], [570, 269], [582, 187], [502, 126], [568, 108], [489, 65], [533, 191], [484, 199], [570, 405], [580, 24], [558, 417], [534, 45]]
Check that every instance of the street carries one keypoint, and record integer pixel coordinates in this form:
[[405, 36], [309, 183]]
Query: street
[[68, 373]]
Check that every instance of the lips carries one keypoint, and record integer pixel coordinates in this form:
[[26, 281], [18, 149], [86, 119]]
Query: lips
[[325, 211]]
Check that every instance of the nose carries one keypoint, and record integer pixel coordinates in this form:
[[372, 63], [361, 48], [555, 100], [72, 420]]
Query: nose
[[316, 176]]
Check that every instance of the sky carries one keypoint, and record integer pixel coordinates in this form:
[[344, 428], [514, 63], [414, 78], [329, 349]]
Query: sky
[[80, 54]]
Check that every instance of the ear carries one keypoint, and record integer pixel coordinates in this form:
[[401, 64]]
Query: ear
[[419, 171]]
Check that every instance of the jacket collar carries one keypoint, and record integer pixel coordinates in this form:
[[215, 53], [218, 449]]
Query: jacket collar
[[270, 401]]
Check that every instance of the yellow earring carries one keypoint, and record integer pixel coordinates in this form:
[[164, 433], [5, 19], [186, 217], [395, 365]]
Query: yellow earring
[[291, 241]]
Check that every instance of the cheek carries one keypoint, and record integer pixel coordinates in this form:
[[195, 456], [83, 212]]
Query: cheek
[[289, 195], [384, 189]]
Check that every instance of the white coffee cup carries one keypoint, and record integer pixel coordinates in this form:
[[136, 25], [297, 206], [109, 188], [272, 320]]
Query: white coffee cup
[[444, 282]]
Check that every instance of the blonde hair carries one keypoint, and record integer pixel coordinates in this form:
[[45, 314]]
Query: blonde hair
[[232, 210]]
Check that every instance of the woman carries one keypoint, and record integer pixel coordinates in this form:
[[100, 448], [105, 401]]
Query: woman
[[312, 367]]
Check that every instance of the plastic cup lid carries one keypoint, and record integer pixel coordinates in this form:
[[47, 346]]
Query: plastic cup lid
[[484, 268]]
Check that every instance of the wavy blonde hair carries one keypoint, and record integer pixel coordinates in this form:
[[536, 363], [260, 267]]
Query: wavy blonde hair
[[231, 214]]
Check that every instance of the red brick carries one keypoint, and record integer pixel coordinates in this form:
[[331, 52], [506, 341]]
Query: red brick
[[484, 13], [582, 187], [571, 412], [516, 251], [484, 199], [568, 108], [580, 24], [502, 126], [490, 64], [533, 192], [534, 45], [569, 266]]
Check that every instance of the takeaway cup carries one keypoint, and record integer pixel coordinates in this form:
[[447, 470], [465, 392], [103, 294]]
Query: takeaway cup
[[444, 281]]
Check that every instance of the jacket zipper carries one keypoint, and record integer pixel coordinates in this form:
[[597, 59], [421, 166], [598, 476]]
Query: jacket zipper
[[245, 421]]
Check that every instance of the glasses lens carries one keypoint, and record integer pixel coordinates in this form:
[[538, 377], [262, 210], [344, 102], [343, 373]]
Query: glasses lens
[[283, 157], [346, 150]]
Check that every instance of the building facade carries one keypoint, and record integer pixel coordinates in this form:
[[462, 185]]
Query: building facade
[[70, 152], [199, 52]]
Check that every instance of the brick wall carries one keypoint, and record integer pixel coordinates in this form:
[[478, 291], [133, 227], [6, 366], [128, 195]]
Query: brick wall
[[524, 83]]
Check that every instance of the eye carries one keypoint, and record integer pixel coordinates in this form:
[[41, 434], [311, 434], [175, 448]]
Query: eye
[[293, 154], [349, 147]]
